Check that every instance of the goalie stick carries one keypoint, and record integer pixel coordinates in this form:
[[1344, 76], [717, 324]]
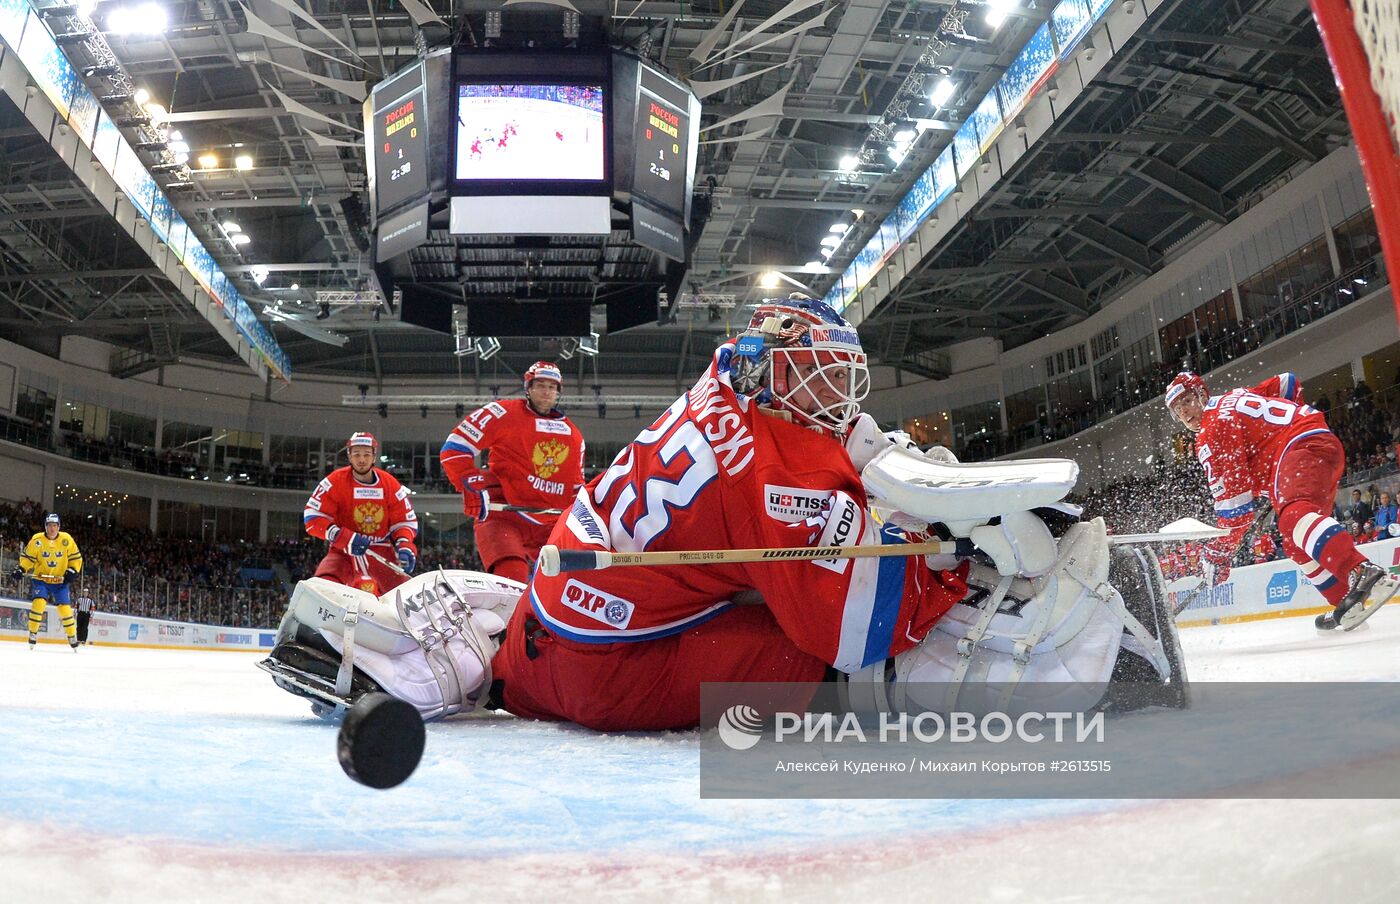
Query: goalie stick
[[554, 561], [522, 509]]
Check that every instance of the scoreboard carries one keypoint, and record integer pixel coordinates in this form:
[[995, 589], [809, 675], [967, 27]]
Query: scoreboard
[[400, 141], [662, 136]]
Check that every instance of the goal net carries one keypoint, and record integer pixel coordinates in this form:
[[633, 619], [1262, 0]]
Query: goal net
[[1362, 38]]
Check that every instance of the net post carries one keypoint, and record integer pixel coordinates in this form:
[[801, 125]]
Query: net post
[[1351, 67]]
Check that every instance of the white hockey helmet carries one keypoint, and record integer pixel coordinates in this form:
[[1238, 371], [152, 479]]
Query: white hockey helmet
[[800, 356]]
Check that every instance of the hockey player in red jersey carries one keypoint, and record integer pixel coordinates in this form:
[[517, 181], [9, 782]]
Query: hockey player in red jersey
[[535, 461], [752, 456], [1264, 442], [360, 509]]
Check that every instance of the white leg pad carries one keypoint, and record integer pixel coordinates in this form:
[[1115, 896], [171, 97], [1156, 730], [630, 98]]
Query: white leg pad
[[1056, 652]]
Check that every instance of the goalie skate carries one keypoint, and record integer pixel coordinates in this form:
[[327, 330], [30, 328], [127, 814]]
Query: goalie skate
[[307, 666]]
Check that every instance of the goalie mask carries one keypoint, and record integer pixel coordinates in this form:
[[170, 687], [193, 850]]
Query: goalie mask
[[801, 357]]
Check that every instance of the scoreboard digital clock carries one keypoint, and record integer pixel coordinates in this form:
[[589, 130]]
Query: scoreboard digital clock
[[400, 141], [662, 137]]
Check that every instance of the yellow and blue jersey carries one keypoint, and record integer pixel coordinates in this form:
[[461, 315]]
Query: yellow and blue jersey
[[48, 560]]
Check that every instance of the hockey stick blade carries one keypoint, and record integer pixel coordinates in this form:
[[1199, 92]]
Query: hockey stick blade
[[553, 560], [392, 566]]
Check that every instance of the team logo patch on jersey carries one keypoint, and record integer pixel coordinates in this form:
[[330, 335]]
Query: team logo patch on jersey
[[552, 425], [793, 504], [598, 605], [549, 456], [369, 518], [369, 492]]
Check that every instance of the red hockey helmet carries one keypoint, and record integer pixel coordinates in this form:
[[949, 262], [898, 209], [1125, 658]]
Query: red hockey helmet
[[1184, 383], [544, 370], [362, 441]]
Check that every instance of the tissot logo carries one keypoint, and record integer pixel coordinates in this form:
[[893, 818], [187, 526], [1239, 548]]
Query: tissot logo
[[793, 504]]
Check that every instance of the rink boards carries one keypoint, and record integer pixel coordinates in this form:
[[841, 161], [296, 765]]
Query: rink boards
[[1274, 589], [1271, 590], [110, 629]]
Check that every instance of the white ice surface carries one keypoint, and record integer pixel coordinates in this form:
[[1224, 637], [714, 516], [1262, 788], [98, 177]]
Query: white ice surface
[[147, 775]]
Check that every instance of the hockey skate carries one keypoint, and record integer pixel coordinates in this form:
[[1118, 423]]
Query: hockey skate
[[33, 640], [1371, 588]]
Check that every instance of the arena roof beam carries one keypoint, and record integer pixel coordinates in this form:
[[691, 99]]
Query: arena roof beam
[[1057, 211], [72, 275], [1152, 138], [1275, 136], [1236, 41], [1207, 201], [1060, 292], [1129, 251], [994, 269]]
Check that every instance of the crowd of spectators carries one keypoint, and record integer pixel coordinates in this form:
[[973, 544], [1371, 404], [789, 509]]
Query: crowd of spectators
[[232, 582], [1205, 350]]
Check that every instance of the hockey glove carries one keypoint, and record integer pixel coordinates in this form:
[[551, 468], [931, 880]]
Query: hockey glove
[[18, 573], [408, 556], [351, 543], [69, 575], [476, 495]]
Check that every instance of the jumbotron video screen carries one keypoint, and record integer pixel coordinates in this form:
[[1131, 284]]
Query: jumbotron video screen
[[530, 132]]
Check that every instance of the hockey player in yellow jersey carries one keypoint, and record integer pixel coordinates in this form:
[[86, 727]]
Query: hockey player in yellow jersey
[[50, 560]]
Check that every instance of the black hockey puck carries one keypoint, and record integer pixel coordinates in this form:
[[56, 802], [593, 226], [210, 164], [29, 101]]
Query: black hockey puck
[[380, 741]]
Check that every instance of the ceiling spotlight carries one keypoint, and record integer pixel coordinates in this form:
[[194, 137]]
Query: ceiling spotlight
[[770, 280], [997, 11], [849, 163], [814, 266], [294, 286], [943, 92], [831, 241], [231, 227], [243, 162], [837, 228], [147, 19], [904, 135], [259, 275], [240, 238], [208, 161], [142, 97]]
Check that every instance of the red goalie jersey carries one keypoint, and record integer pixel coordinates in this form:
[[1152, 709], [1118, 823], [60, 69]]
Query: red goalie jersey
[[1244, 434], [538, 459], [718, 472]]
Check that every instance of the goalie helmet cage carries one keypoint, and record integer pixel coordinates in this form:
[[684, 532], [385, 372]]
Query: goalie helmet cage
[[1362, 38]]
